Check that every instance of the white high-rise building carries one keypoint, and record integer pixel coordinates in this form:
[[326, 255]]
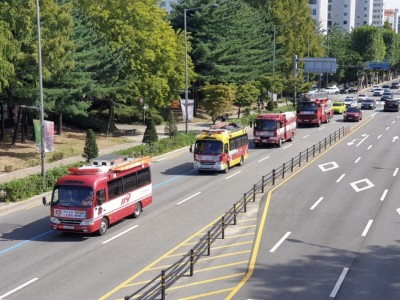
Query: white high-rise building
[[378, 13], [392, 16], [364, 9], [319, 12], [341, 13]]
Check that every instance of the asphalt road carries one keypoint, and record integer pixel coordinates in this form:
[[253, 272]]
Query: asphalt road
[[42, 264]]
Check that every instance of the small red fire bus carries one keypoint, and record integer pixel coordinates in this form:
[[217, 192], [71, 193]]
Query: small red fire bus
[[90, 198]]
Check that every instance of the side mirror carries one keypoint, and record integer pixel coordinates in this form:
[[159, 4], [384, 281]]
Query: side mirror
[[44, 201]]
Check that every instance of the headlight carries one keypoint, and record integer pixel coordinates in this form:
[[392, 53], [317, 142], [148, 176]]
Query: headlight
[[54, 220], [88, 222]]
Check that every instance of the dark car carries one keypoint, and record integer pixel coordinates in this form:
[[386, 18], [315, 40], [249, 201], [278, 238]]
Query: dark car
[[368, 104], [386, 86], [349, 90], [352, 114], [386, 96], [391, 105], [395, 85]]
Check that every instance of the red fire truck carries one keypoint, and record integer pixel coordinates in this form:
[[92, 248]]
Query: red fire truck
[[90, 198], [314, 109], [274, 128]]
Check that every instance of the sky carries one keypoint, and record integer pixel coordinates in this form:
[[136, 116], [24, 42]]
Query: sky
[[393, 4]]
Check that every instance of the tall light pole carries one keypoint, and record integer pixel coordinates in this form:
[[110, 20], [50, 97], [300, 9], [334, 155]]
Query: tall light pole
[[186, 60], [274, 53], [42, 148]]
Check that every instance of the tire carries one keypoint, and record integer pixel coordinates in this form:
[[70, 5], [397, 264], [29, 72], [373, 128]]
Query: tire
[[138, 210], [227, 168], [103, 227], [319, 123], [280, 143], [241, 161], [292, 137]]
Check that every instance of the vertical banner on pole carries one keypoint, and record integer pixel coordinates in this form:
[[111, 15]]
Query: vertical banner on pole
[[190, 108], [48, 135]]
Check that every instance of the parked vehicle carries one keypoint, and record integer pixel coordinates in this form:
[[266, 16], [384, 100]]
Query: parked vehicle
[[391, 105], [352, 114], [351, 90], [220, 148], [313, 111], [274, 128], [338, 107], [90, 198], [332, 90], [368, 104]]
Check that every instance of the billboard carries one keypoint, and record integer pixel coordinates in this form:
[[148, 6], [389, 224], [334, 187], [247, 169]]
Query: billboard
[[320, 65]]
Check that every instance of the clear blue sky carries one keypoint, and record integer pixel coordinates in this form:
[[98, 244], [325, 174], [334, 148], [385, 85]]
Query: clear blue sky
[[393, 4]]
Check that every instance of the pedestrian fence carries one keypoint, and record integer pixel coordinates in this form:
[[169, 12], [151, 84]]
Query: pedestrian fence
[[156, 288]]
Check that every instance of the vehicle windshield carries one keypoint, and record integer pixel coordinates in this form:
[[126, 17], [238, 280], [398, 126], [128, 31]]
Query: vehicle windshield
[[368, 101], [265, 125], [337, 104], [307, 106], [208, 147], [72, 196], [352, 109]]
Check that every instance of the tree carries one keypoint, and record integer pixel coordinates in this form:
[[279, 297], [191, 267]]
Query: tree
[[91, 149], [246, 94], [170, 127], [150, 134], [217, 99], [266, 85]]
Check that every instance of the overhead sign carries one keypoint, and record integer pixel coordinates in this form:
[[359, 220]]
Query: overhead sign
[[378, 65], [320, 65]]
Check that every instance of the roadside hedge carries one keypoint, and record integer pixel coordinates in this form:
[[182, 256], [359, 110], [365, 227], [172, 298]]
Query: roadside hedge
[[24, 188]]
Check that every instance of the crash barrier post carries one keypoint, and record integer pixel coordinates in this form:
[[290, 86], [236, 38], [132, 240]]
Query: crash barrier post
[[170, 275]]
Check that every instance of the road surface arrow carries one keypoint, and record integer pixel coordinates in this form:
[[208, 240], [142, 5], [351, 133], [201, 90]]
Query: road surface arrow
[[395, 138]]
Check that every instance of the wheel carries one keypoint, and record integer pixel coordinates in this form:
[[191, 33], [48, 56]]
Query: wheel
[[227, 168], [103, 227], [292, 137], [241, 161], [280, 143], [319, 123], [138, 210]]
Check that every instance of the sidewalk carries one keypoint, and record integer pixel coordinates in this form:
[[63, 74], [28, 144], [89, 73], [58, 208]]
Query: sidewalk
[[135, 140]]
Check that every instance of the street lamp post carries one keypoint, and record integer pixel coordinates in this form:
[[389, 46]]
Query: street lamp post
[[42, 149], [186, 60]]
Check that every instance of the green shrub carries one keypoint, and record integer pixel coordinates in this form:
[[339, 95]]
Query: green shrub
[[57, 156], [8, 168]]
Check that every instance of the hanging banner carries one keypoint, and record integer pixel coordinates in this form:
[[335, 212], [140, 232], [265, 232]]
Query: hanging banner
[[190, 108], [48, 135]]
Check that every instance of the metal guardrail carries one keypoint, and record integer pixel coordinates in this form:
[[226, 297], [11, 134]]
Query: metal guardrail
[[156, 288]]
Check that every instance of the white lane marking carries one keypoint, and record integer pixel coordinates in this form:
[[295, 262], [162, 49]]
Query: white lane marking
[[119, 234], [290, 145], [18, 288], [321, 128], [234, 174], [395, 138], [384, 195], [333, 122], [369, 147], [367, 228], [357, 160], [316, 203], [387, 128], [280, 242], [306, 136], [188, 198], [393, 121], [262, 159], [339, 283], [395, 172], [379, 136], [341, 177]]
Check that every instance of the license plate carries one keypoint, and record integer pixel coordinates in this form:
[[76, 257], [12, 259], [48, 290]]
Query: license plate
[[264, 141], [68, 227]]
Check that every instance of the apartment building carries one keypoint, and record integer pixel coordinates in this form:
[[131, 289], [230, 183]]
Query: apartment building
[[319, 13], [392, 16], [342, 14], [378, 13], [364, 10]]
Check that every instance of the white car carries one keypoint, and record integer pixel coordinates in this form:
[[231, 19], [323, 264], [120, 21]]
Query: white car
[[362, 97], [332, 90], [374, 87], [350, 102]]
